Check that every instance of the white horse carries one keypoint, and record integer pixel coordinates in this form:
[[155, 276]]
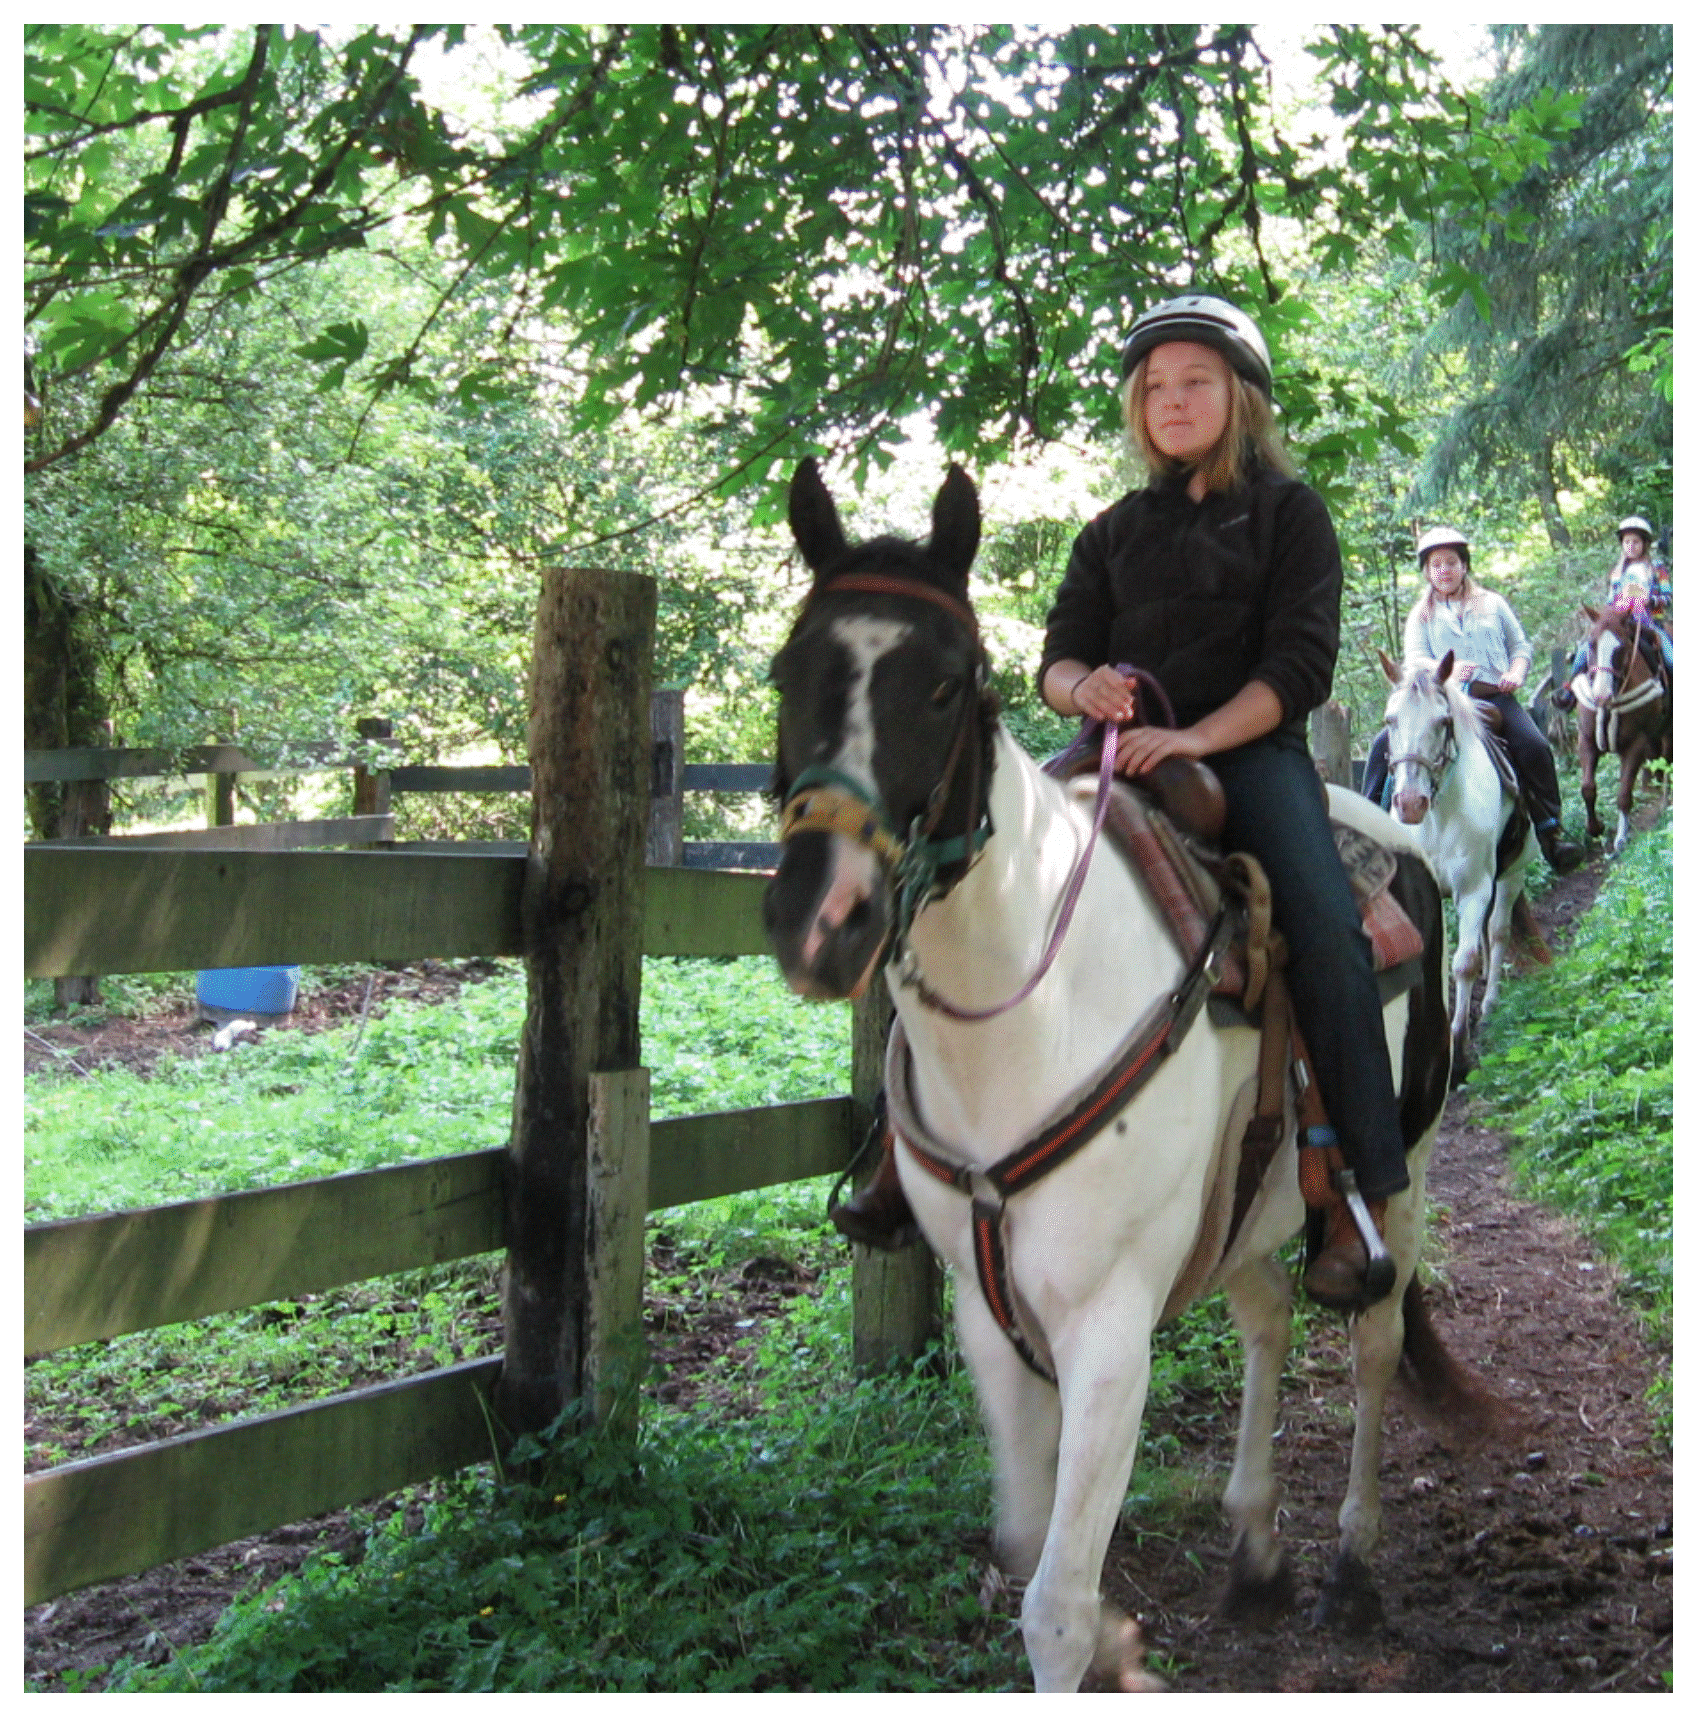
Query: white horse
[[889, 747], [1444, 781]]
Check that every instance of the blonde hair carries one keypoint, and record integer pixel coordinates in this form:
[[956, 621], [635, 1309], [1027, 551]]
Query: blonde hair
[[1250, 433]]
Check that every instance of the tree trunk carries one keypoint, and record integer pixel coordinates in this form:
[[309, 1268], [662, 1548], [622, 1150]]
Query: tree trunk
[[1544, 481]]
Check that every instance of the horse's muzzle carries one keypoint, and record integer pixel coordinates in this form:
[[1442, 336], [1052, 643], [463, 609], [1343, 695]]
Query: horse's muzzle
[[1410, 808], [827, 916]]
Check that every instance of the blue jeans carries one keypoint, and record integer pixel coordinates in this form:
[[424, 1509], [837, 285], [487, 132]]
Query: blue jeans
[[1276, 810]]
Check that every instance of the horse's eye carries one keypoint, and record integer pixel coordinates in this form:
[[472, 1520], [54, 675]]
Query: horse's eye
[[945, 692]]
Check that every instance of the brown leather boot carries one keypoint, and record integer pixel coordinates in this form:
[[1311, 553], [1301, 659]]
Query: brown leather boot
[[1561, 856], [879, 1214], [1337, 1276]]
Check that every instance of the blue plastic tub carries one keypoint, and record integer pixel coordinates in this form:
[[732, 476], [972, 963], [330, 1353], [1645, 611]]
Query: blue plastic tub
[[249, 989]]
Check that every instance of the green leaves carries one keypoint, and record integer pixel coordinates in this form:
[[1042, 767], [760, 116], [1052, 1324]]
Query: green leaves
[[842, 224], [337, 348]]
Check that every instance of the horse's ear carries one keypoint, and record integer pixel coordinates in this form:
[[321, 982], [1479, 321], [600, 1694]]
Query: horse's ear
[[955, 525], [1393, 669], [1445, 666], [813, 517], [1590, 613]]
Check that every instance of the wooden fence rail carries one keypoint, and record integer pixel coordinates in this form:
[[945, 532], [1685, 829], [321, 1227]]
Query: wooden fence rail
[[96, 1277], [140, 906], [136, 909]]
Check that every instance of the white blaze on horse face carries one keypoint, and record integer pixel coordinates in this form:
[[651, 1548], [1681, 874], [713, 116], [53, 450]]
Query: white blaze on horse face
[[853, 873], [1603, 675], [1413, 781]]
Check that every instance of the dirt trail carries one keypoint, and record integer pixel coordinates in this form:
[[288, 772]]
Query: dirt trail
[[1540, 1563]]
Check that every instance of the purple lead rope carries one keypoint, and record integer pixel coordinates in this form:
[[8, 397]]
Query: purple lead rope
[[1144, 681], [1069, 898]]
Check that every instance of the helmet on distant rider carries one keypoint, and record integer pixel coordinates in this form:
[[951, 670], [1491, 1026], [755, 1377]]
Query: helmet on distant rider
[[1209, 322], [1635, 522], [1443, 537]]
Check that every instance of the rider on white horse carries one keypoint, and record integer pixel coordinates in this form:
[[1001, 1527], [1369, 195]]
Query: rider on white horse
[[1223, 579], [1492, 657]]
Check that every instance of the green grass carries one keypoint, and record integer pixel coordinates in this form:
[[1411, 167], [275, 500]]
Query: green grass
[[1579, 1069], [823, 1545], [420, 1081], [827, 1532]]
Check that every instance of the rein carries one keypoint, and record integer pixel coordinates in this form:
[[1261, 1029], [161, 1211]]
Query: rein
[[907, 970]]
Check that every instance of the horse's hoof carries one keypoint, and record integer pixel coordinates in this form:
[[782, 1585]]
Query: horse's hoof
[[1349, 1603], [1256, 1601], [1118, 1658]]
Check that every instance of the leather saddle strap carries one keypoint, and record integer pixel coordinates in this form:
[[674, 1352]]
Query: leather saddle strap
[[1266, 1130], [994, 1279]]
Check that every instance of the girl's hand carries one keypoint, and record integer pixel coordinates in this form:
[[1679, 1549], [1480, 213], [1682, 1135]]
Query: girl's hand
[[1140, 749], [1105, 695], [1511, 679]]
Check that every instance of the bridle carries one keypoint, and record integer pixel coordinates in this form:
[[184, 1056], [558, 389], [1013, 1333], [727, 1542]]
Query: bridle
[[1434, 769], [924, 865], [825, 799]]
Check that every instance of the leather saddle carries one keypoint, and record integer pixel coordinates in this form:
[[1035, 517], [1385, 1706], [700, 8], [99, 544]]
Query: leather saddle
[[1170, 826]]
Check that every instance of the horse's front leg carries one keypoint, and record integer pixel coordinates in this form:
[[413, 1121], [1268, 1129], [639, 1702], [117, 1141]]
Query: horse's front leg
[[1259, 1589], [1103, 1363], [1588, 774], [1498, 930], [1022, 1417], [1630, 763], [1471, 906]]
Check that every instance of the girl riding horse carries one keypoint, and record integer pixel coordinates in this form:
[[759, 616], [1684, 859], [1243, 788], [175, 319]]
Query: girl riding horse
[[1222, 579], [1492, 657], [1641, 586]]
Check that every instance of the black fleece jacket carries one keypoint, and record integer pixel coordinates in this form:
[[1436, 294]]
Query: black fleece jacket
[[1208, 595]]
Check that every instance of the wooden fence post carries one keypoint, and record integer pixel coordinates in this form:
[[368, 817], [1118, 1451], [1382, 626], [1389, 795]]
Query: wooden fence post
[[85, 809], [220, 799], [666, 783], [583, 932], [1328, 730], [897, 1296], [371, 787]]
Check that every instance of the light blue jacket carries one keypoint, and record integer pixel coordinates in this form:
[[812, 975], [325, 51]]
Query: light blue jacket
[[1484, 632]]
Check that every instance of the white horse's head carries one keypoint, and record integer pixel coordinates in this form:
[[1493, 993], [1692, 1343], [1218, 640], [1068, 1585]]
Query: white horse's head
[[1429, 717], [884, 736]]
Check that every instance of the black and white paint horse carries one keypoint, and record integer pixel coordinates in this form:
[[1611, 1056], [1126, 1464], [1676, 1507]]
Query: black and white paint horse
[[924, 816]]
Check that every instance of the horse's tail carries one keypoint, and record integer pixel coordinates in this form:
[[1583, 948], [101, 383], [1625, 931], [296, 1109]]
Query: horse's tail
[[1527, 938], [1449, 1397]]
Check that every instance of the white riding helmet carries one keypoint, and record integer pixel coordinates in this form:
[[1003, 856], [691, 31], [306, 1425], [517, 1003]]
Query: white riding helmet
[[1210, 322], [1443, 537], [1635, 523]]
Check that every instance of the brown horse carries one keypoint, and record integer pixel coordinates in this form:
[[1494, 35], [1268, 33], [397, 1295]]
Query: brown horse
[[1625, 707]]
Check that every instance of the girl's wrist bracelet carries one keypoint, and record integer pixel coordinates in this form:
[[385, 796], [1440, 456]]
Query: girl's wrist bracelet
[[1073, 688]]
